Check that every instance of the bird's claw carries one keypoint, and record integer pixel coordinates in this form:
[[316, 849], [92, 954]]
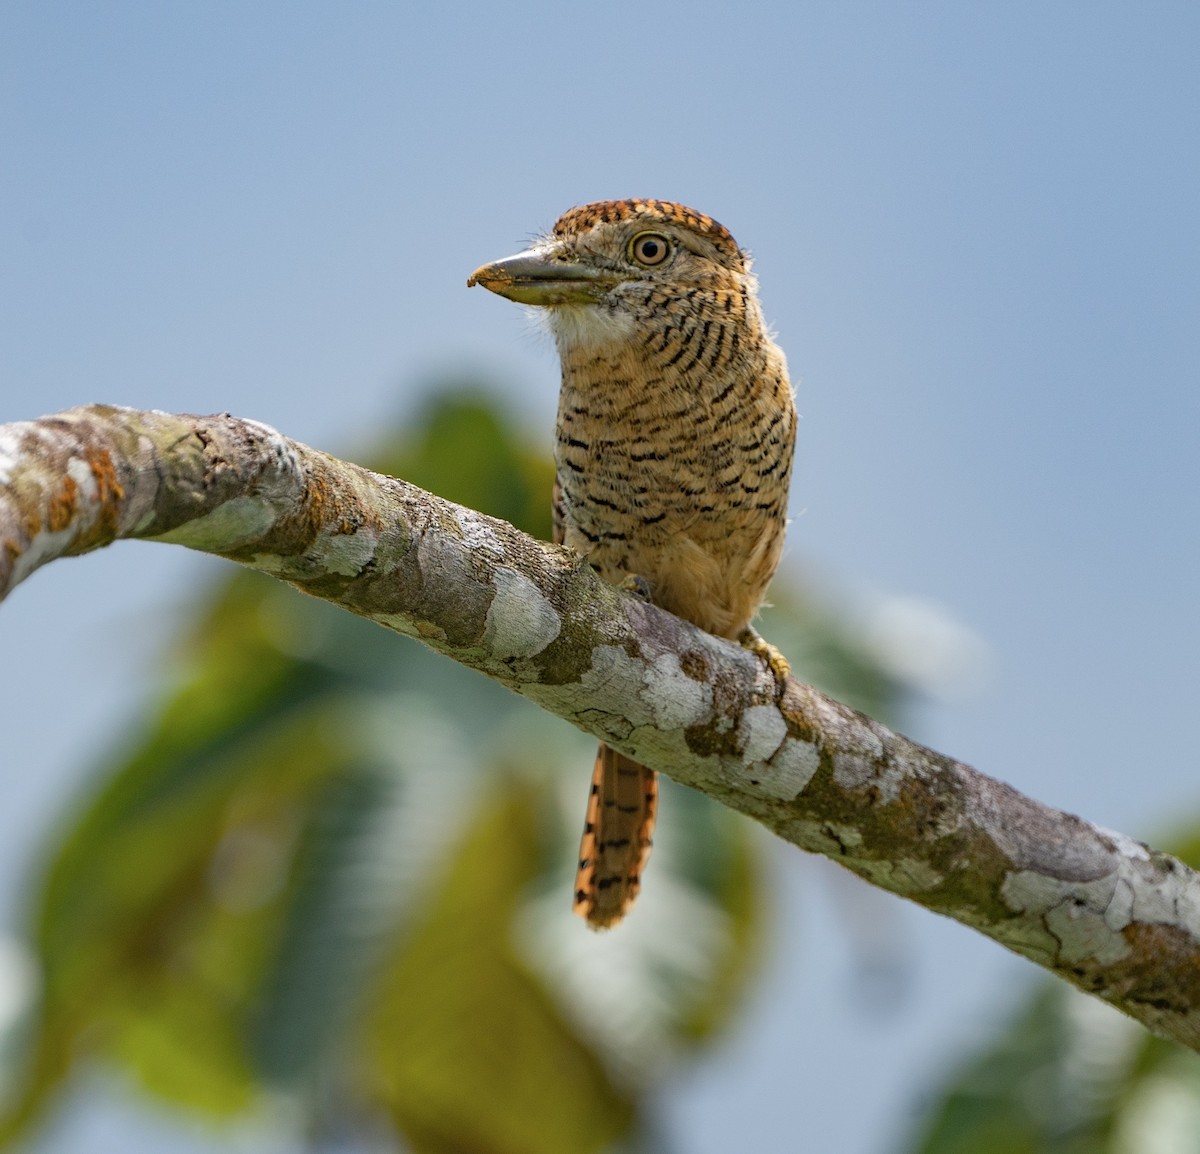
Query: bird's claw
[[775, 661], [638, 586]]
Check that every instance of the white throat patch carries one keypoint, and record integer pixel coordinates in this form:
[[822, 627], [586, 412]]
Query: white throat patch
[[588, 326]]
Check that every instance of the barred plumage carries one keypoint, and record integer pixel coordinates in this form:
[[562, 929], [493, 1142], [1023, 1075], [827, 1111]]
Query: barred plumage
[[674, 442]]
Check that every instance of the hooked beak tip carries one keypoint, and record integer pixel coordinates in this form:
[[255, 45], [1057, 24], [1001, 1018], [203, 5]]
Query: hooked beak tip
[[538, 277]]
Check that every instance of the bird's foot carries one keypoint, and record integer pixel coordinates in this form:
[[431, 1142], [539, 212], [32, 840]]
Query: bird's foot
[[775, 661], [638, 586]]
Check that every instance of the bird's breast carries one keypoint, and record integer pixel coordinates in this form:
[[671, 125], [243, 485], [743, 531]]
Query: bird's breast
[[684, 485]]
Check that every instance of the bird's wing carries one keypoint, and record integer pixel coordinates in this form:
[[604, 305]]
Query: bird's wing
[[558, 514]]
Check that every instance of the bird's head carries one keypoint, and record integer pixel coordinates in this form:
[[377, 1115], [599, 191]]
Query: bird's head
[[612, 269]]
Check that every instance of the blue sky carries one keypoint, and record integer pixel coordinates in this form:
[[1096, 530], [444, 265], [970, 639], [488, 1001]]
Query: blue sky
[[976, 234]]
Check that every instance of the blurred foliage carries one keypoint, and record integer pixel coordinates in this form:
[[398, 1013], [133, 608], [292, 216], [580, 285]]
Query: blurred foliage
[[1067, 1074], [333, 870]]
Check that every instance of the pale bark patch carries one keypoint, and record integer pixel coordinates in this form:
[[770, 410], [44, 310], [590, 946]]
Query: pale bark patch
[[520, 621]]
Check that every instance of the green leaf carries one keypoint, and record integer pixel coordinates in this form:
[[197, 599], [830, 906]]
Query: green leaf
[[463, 1044]]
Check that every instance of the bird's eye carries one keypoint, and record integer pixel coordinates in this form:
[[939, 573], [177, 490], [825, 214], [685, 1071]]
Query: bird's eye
[[649, 248]]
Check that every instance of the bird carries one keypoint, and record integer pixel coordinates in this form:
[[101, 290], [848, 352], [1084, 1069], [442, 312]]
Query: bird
[[674, 442]]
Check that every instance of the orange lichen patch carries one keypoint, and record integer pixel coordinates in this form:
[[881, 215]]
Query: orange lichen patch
[[109, 495], [108, 488], [330, 506], [63, 505], [315, 514], [320, 498]]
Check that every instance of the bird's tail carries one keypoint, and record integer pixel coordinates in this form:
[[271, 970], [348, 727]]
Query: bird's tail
[[617, 837]]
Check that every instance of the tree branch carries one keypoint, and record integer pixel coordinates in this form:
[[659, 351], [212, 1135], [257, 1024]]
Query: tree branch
[[1102, 911]]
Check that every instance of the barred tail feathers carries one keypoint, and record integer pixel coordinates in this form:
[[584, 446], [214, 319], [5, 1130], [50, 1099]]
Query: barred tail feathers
[[617, 838]]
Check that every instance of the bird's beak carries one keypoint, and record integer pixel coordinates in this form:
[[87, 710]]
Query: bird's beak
[[543, 276]]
